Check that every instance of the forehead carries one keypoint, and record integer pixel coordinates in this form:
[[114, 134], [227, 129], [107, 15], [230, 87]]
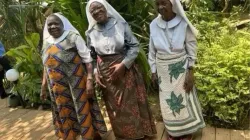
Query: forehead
[[54, 18], [95, 4]]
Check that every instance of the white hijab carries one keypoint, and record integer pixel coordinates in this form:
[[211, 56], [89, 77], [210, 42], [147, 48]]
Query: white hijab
[[110, 11], [178, 9], [67, 26]]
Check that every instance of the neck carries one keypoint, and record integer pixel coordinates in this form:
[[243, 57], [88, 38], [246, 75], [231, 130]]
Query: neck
[[169, 17]]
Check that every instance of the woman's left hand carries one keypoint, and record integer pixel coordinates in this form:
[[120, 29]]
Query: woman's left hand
[[116, 71], [189, 81], [90, 88]]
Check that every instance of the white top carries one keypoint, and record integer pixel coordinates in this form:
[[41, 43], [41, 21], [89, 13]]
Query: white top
[[82, 49], [115, 37], [171, 37]]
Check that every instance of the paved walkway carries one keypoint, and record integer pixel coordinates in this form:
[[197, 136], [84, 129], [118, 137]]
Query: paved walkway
[[24, 124]]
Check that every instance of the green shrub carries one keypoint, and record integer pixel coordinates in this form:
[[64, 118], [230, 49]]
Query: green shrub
[[222, 74]]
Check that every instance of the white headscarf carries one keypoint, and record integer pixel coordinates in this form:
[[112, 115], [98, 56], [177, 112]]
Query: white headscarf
[[178, 9], [67, 26], [110, 11]]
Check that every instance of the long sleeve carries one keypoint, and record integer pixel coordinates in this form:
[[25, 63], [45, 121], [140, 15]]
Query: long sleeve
[[152, 56], [92, 53], [83, 50], [191, 47], [132, 46]]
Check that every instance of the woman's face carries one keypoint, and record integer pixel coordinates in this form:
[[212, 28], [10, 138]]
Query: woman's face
[[55, 26], [164, 7], [98, 12]]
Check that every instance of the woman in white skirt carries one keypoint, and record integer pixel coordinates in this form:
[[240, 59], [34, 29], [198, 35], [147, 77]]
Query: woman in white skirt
[[172, 54]]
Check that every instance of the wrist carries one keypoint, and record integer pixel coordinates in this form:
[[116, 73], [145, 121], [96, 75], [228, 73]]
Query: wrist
[[89, 78], [122, 65]]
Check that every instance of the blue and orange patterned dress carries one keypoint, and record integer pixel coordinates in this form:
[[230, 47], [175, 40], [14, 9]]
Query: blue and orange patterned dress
[[74, 114]]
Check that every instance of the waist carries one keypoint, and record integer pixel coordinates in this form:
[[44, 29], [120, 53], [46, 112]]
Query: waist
[[111, 57], [163, 56]]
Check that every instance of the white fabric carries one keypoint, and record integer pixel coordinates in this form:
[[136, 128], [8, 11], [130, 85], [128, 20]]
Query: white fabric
[[178, 9], [67, 26], [172, 38], [189, 118], [110, 11]]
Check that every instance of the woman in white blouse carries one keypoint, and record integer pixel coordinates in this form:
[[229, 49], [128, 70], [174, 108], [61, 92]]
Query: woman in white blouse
[[172, 54], [65, 56], [122, 84]]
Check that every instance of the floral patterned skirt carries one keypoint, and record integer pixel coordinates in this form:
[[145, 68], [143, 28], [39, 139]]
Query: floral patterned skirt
[[126, 101], [181, 111]]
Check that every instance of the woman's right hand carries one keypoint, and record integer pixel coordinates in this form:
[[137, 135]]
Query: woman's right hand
[[43, 94], [98, 80], [154, 80]]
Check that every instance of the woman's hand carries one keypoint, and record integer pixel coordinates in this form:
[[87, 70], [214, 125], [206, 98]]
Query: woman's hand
[[154, 80], [43, 93], [90, 87], [98, 80], [189, 81], [116, 71]]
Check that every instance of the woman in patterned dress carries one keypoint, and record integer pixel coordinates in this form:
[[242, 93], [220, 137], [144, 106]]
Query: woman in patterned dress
[[68, 74], [172, 53], [122, 84]]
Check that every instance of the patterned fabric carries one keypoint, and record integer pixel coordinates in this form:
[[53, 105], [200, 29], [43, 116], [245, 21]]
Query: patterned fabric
[[181, 111], [126, 101], [73, 113]]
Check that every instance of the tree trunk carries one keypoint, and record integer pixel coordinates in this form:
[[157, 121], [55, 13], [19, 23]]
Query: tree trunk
[[225, 6]]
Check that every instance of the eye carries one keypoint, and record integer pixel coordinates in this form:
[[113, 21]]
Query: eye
[[91, 11]]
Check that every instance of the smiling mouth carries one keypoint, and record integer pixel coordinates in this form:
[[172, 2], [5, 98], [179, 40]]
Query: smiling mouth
[[99, 15], [54, 31]]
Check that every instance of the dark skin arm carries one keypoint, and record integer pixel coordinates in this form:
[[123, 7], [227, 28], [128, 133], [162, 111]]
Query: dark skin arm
[[89, 85], [189, 81], [116, 71], [43, 94], [154, 80]]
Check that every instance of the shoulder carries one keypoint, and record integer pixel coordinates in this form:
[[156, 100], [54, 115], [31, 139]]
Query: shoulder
[[72, 35], [183, 22], [153, 24], [154, 28], [121, 23]]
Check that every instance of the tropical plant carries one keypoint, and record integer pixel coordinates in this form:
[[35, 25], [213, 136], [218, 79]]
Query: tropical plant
[[19, 18], [28, 63]]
